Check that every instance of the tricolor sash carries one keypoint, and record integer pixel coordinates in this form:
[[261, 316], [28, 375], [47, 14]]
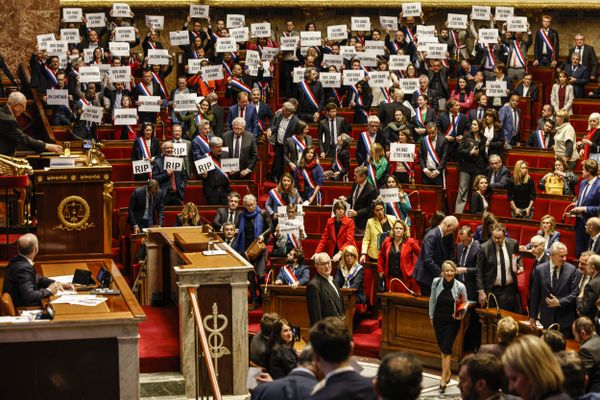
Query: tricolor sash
[[289, 274], [546, 40], [226, 69], [239, 85], [51, 75], [160, 84], [407, 166], [360, 106], [214, 36], [395, 210], [519, 54], [490, 59], [151, 44], [219, 168], [394, 47], [144, 148], [142, 88], [203, 144], [130, 131], [309, 94], [373, 175], [199, 117], [276, 197], [338, 97], [452, 127], [300, 145], [311, 182], [456, 45], [410, 37], [367, 141], [83, 102], [420, 117], [445, 63], [338, 162], [386, 95], [431, 151], [540, 136], [264, 89], [294, 240]]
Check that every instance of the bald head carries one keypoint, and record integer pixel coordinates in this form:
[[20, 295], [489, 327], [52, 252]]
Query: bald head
[[28, 245], [449, 225]]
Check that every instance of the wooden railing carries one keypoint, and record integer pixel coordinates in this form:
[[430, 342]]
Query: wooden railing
[[205, 370]]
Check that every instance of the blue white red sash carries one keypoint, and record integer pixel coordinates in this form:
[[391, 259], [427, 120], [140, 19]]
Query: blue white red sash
[[227, 69], [367, 141], [337, 96], [540, 136], [351, 275], [407, 166], [386, 95], [289, 274], [431, 151], [338, 163], [219, 168], [395, 210], [309, 179], [83, 102], [144, 147], [420, 117], [160, 84], [276, 197], [394, 47], [264, 89], [452, 127], [294, 240], [199, 118], [151, 44], [490, 59], [214, 36], [519, 54], [238, 84], [456, 45], [261, 125], [546, 40], [300, 145], [410, 37], [309, 94], [445, 63], [203, 144], [51, 75], [373, 175], [130, 131], [142, 88], [360, 106]]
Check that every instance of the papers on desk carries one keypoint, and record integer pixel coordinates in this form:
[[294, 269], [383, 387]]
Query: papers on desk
[[89, 300], [538, 325], [62, 278], [214, 252], [26, 316]]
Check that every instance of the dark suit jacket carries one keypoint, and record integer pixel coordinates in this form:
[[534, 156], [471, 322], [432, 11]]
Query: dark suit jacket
[[322, 300], [356, 282], [471, 264], [136, 153], [434, 251], [137, 208], [248, 150], [533, 91], [250, 116], [219, 114], [346, 385], [591, 292], [25, 287], [589, 352], [160, 174], [296, 386], [486, 263], [363, 204], [289, 130], [533, 140], [12, 136], [264, 114], [582, 77], [538, 47], [221, 218], [590, 60], [290, 153], [146, 116], [302, 273], [387, 110], [502, 178], [361, 148], [441, 148], [324, 132]]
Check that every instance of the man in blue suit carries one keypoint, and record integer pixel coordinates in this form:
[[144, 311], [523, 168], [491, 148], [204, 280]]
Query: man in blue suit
[[245, 110], [587, 204], [263, 111], [434, 252], [510, 118], [578, 74], [554, 291]]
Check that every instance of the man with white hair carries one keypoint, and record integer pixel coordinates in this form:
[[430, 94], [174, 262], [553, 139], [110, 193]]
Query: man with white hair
[[387, 110], [323, 298], [554, 291], [283, 127], [589, 287], [242, 146], [12, 135], [373, 134]]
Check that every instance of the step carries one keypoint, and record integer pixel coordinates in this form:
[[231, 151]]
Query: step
[[367, 326], [162, 384]]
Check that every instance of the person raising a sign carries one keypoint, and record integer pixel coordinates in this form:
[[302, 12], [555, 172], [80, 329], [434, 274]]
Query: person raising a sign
[[145, 147], [167, 169], [215, 181], [310, 96]]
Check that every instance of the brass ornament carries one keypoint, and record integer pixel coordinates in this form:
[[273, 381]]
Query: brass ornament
[[73, 213]]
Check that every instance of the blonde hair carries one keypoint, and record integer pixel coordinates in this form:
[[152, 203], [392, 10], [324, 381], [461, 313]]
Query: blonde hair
[[552, 222], [377, 152], [520, 179], [507, 328], [528, 355], [406, 230], [564, 115], [592, 116], [352, 250], [189, 213]]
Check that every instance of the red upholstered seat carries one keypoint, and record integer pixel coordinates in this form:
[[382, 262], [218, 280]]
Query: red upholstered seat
[[121, 172], [499, 205]]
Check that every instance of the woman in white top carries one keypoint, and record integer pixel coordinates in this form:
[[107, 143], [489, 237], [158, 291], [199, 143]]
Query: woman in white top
[[562, 95], [564, 140]]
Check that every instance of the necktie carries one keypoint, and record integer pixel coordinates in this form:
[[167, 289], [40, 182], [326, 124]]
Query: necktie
[[516, 121], [453, 119], [356, 194], [173, 185], [236, 148], [151, 211], [555, 278], [480, 113], [574, 69], [590, 244], [494, 177], [242, 112], [463, 257], [332, 131], [230, 217], [582, 197], [502, 266]]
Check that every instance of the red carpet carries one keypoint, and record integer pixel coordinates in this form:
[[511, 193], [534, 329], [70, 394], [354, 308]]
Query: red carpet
[[159, 340]]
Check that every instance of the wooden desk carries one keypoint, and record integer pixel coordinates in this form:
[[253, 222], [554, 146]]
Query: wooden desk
[[290, 304], [85, 352], [405, 325]]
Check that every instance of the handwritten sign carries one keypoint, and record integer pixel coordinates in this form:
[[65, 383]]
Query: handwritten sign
[[252, 57], [141, 167], [402, 152], [204, 165], [125, 116], [388, 22], [235, 21], [411, 9], [226, 45], [57, 47], [437, 50], [89, 74], [88, 54], [331, 79], [481, 13], [95, 20], [289, 43], [399, 62], [185, 102], [230, 164], [504, 13], [337, 32], [488, 36], [495, 88], [57, 97], [119, 74], [174, 163], [409, 85], [158, 57], [352, 76], [298, 74], [121, 10], [180, 149], [379, 79], [425, 30], [333, 59], [179, 38], [194, 66], [70, 35], [241, 35], [367, 58], [517, 24], [310, 38], [390, 195], [212, 72], [149, 103], [199, 10], [261, 30], [457, 21], [119, 49], [269, 53], [155, 21], [348, 52], [92, 114], [360, 24], [124, 34], [42, 40], [72, 14]]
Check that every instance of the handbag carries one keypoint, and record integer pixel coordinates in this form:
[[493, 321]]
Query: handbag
[[255, 250], [554, 185]]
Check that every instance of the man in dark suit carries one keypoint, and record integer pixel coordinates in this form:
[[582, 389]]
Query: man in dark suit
[[36, 65], [527, 88], [147, 87], [589, 351], [332, 346], [578, 74], [452, 125], [323, 298], [498, 264], [554, 291], [479, 112], [433, 154], [586, 305], [466, 260], [297, 385], [510, 118], [26, 288], [177, 133], [218, 112], [361, 197], [329, 129], [400, 376], [592, 228], [283, 126], [263, 111], [542, 138], [146, 207], [434, 251], [216, 185], [12, 136], [231, 213], [498, 174], [538, 251], [241, 144], [587, 204], [172, 183], [587, 55], [387, 110], [247, 111], [373, 134], [546, 48]]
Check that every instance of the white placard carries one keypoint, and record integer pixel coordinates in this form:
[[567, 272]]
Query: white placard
[[212, 72], [252, 70], [390, 195], [194, 66], [119, 49], [374, 45], [92, 114], [348, 52], [379, 79], [158, 57], [125, 116], [141, 167], [367, 58], [360, 24], [235, 21], [288, 229], [261, 30], [104, 69], [269, 53], [488, 36], [289, 43], [457, 21], [185, 102], [121, 10], [89, 74], [333, 59], [388, 22], [57, 47], [495, 88], [149, 103], [409, 85], [63, 61], [230, 164], [411, 9], [88, 54], [120, 74], [516, 24], [226, 45], [204, 164], [252, 57], [337, 32], [503, 13], [399, 62], [425, 30], [352, 76], [175, 163], [180, 149], [42, 40], [241, 35], [155, 21], [331, 79], [310, 38], [402, 152], [179, 38], [95, 20], [124, 34], [298, 74], [70, 35], [199, 10], [72, 15], [481, 13], [266, 65], [57, 97], [437, 51]]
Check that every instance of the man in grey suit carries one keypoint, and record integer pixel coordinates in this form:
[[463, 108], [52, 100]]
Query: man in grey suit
[[589, 352], [241, 145], [586, 305], [330, 128], [282, 127], [177, 138], [587, 55]]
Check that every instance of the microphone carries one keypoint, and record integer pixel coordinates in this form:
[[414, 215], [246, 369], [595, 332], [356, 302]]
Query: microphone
[[498, 313], [412, 292], [267, 281]]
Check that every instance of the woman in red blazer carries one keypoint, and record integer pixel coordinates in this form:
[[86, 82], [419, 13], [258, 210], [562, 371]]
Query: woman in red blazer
[[397, 258], [332, 243]]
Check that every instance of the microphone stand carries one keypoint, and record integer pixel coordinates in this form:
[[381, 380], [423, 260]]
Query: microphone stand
[[412, 292]]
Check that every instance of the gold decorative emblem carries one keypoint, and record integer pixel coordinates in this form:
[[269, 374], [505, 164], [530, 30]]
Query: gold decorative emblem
[[215, 337], [73, 214]]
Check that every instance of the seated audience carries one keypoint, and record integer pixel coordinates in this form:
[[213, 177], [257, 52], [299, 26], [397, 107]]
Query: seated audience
[[498, 174], [231, 213], [340, 164], [260, 344], [295, 273], [561, 181], [480, 195], [189, 216], [283, 357]]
